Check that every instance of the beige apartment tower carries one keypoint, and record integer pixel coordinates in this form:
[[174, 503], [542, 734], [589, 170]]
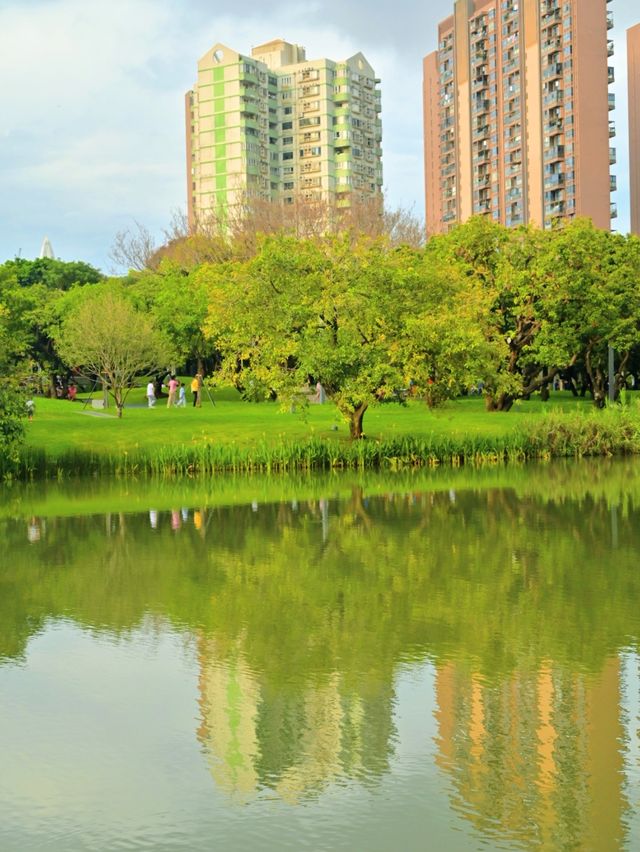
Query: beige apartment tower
[[517, 114], [282, 128], [633, 60]]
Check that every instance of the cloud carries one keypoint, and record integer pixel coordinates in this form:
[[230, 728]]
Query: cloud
[[91, 103]]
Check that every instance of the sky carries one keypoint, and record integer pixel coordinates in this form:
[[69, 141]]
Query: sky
[[91, 103]]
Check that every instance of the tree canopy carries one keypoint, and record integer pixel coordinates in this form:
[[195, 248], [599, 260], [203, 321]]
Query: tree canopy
[[104, 337]]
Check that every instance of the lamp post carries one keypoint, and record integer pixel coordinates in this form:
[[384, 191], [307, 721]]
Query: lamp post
[[612, 376]]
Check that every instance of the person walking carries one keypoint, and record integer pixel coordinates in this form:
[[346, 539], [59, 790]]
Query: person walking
[[182, 396], [195, 390], [173, 389], [151, 394]]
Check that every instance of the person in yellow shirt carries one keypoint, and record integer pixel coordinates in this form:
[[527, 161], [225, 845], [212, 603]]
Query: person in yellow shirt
[[195, 390]]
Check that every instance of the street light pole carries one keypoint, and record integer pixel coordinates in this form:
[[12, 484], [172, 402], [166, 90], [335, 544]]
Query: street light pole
[[612, 376]]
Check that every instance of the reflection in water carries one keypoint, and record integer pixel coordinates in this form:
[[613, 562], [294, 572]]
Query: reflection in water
[[293, 741], [303, 612], [536, 756]]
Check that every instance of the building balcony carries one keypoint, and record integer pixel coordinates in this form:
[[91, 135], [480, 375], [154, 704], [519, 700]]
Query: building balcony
[[480, 83], [611, 75], [556, 208], [554, 98], [609, 20], [556, 152], [612, 129], [613, 156], [613, 183], [554, 181], [552, 71], [611, 48], [612, 102], [613, 210], [551, 43]]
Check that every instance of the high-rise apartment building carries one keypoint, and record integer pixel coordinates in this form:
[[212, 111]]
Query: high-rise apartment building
[[282, 128], [633, 61], [517, 113]]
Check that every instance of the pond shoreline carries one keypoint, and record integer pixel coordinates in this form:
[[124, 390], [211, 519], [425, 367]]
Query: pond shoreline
[[609, 433]]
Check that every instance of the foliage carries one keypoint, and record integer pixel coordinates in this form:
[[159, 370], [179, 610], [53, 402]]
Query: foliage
[[105, 338], [340, 312], [12, 402], [29, 292], [556, 298], [178, 304]]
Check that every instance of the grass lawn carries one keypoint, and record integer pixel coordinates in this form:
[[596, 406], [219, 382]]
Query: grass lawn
[[60, 426]]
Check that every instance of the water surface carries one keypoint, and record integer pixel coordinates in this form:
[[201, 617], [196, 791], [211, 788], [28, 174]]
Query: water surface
[[445, 660]]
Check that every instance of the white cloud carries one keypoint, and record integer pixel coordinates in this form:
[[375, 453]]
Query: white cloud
[[91, 102]]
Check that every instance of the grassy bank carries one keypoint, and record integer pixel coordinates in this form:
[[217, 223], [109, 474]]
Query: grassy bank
[[231, 435]]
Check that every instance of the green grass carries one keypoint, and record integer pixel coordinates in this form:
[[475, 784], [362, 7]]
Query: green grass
[[60, 426], [233, 435]]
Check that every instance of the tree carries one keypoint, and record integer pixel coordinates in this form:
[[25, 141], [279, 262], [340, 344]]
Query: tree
[[12, 401], [133, 248], [107, 339], [29, 291], [300, 310], [177, 301], [596, 273], [334, 310], [236, 231], [552, 299]]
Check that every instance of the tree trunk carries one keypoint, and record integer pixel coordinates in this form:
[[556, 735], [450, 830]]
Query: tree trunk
[[355, 424], [501, 402], [597, 380]]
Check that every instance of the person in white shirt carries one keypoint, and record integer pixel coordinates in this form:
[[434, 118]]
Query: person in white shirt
[[151, 394]]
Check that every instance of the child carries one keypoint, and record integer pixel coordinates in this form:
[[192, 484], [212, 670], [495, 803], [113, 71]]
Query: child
[[182, 399], [31, 407]]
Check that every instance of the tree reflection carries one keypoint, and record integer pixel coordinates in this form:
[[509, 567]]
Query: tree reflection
[[302, 612]]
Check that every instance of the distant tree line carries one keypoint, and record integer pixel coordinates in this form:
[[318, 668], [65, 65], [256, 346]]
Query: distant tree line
[[369, 312]]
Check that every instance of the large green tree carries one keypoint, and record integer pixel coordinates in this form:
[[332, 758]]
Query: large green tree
[[337, 310], [29, 291], [595, 275]]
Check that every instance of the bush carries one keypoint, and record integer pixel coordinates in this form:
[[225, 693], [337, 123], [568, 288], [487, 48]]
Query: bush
[[12, 413]]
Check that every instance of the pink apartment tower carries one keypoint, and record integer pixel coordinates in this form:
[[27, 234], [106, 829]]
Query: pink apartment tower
[[633, 60], [517, 114]]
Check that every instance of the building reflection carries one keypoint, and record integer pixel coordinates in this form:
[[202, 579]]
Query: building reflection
[[536, 759], [294, 738]]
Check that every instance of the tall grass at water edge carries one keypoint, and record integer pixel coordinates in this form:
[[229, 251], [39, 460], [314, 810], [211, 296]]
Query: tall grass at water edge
[[557, 434]]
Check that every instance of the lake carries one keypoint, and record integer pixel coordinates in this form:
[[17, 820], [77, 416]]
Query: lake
[[444, 660]]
